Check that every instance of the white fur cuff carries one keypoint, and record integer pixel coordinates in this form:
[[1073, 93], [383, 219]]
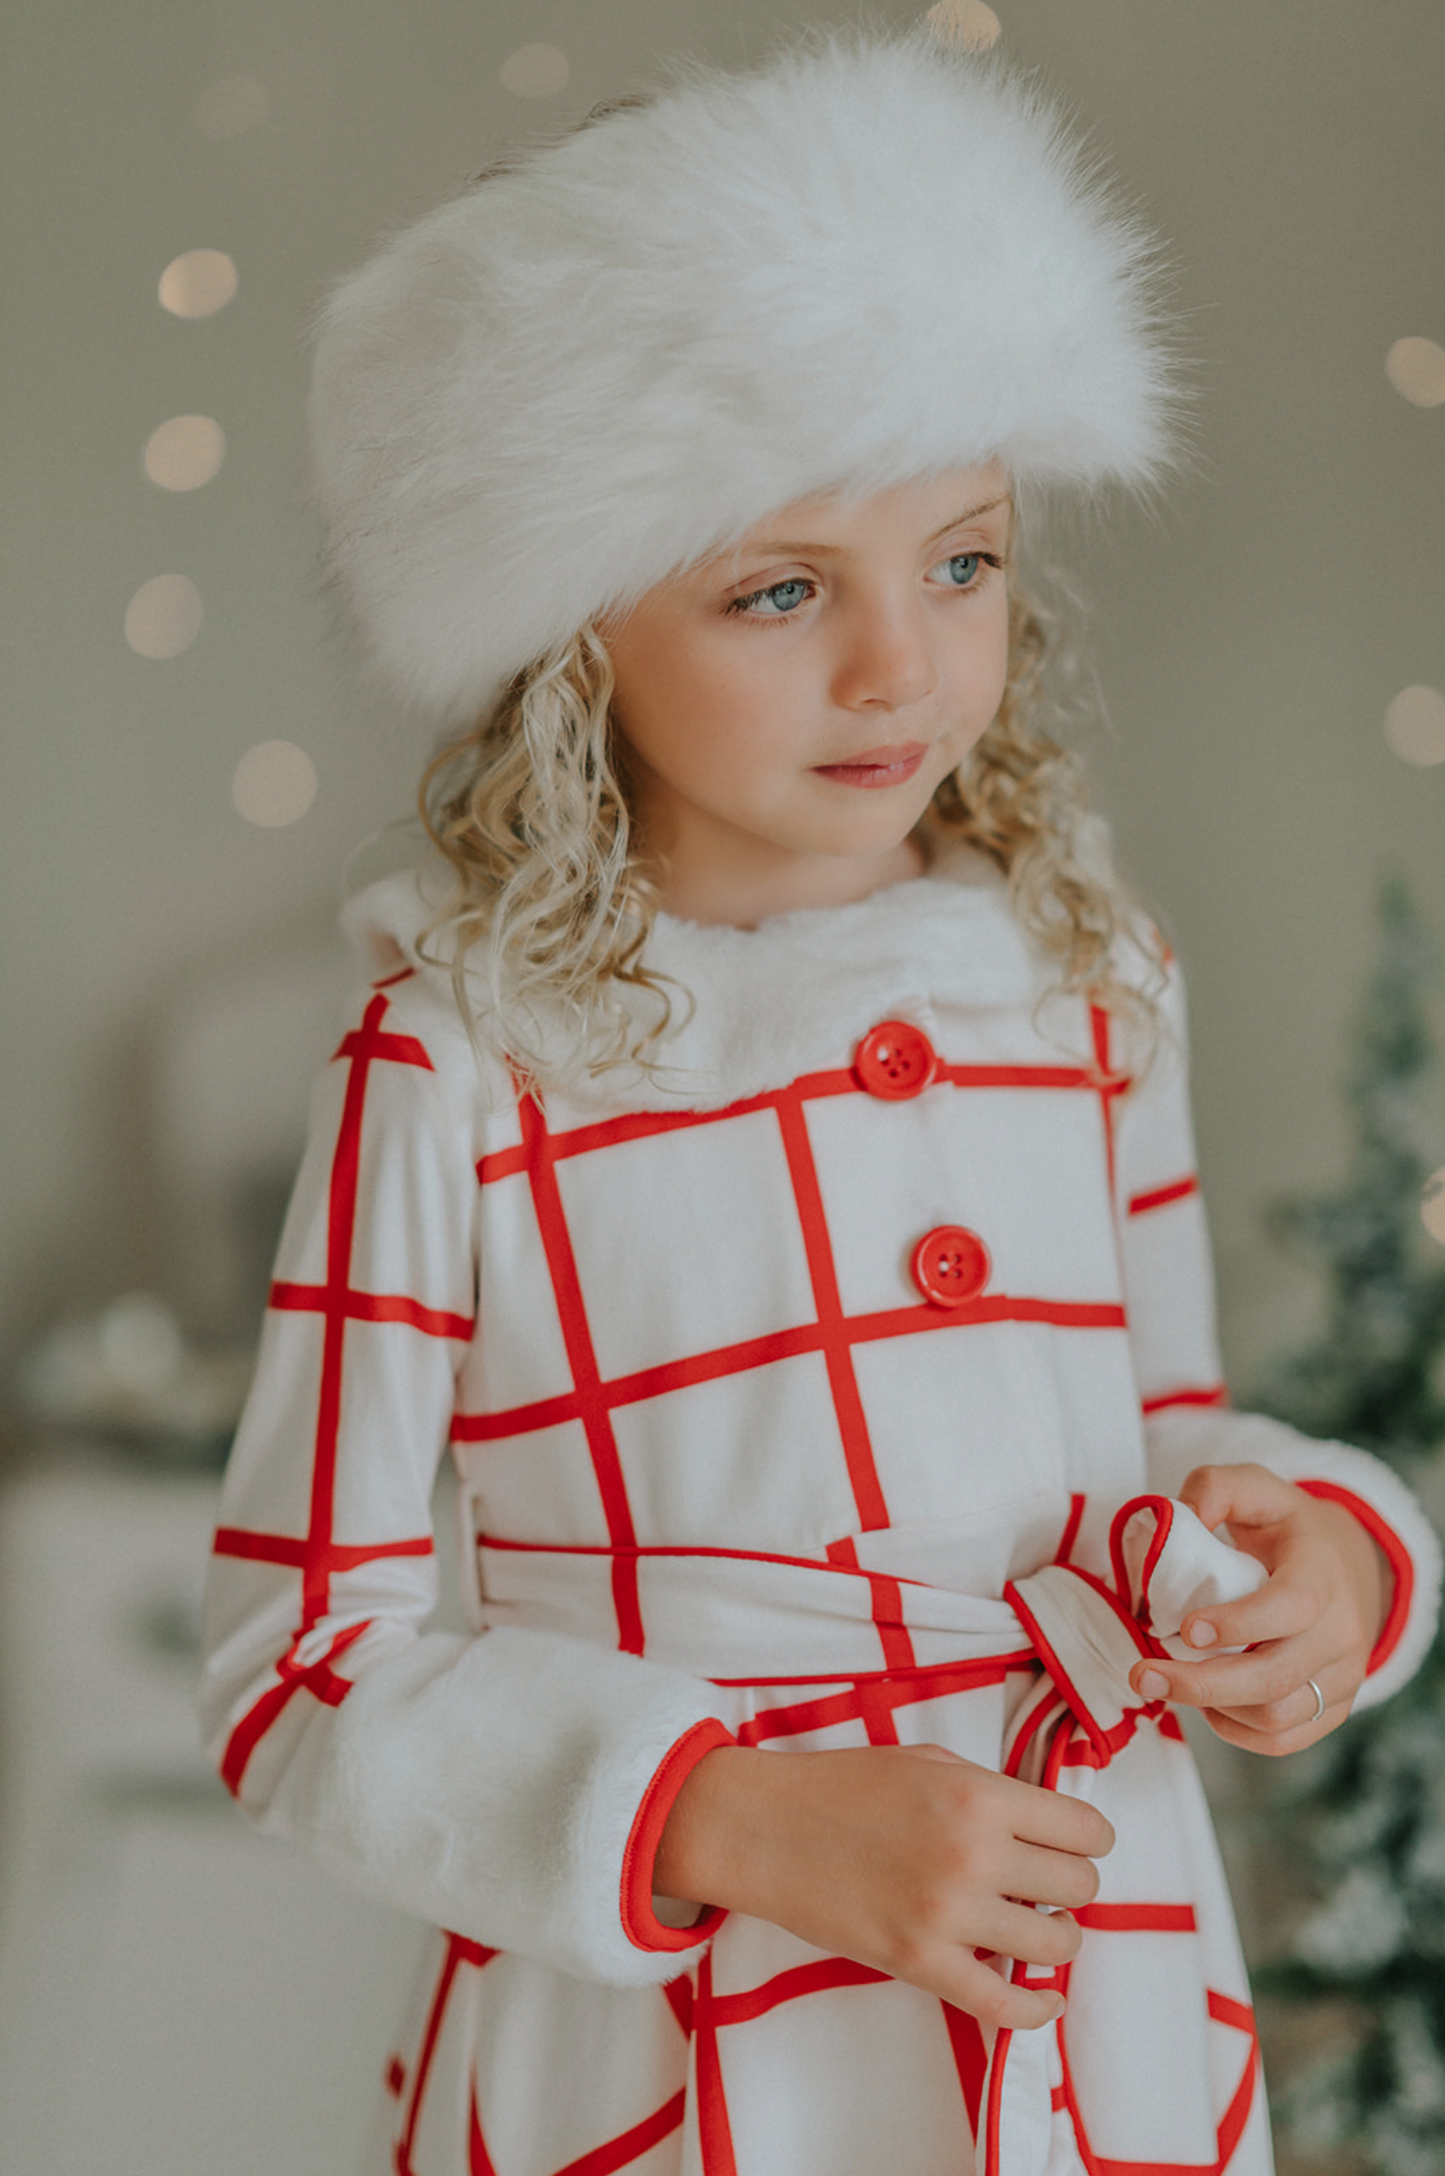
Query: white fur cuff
[[492, 1784]]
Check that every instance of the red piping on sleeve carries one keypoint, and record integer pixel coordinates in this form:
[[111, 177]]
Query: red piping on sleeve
[[640, 1922], [1397, 1615]]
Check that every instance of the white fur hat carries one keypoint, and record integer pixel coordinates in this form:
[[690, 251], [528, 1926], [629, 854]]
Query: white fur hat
[[870, 260]]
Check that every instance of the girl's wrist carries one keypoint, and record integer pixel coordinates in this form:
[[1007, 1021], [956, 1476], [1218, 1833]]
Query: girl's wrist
[[706, 1840]]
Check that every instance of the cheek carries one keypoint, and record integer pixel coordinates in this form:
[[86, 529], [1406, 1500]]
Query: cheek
[[696, 725], [651, 694], [733, 708], [981, 671], [994, 675]]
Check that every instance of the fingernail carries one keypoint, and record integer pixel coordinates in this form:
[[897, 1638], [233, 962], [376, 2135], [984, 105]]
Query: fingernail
[[1152, 1685], [1202, 1633]]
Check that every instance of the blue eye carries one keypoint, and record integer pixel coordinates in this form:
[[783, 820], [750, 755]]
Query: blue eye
[[963, 568], [784, 597]]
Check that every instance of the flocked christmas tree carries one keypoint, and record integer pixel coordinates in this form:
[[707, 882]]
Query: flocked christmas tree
[[1364, 1812]]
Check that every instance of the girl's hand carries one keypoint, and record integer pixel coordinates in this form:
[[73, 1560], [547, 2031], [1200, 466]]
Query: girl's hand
[[1317, 1616], [905, 1858]]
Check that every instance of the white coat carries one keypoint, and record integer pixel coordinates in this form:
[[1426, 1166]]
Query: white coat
[[743, 1455]]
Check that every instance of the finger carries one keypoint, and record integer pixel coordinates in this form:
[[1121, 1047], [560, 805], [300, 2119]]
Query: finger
[[1301, 1709], [961, 1975], [1245, 1495], [1268, 1674], [1007, 2005], [1273, 1743], [1032, 1937], [1060, 1878], [1058, 1823], [1276, 1611]]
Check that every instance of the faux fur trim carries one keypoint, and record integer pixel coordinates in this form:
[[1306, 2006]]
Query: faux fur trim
[[870, 260], [492, 1785], [789, 997]]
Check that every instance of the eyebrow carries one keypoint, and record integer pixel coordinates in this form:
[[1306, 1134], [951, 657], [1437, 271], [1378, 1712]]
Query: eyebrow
[[785, 549]]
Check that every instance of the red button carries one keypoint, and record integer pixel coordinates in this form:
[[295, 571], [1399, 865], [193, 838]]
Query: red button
[[950, 1265], [894, 1060]]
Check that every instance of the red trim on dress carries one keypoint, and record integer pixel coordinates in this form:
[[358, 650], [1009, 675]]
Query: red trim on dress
[[1163, 1508], [459, 1951], [680, 2001], [292, 1549], [970, 2059], [1226, 2011], [640, 1922], [886, 1601], [1208, 1394], [865, 1691], [831, 1328], [592, 1406], [1109, 1084], [628, 2147], [994, 2115], [503, 1163], [372, 1307], [798, 1980], [1398, 1556], [714, 2132], [1071, 1528], [1157, 1197], [479, 2161], [803, 1337], [317, 1678], [337, 1304], [1138, 1918]]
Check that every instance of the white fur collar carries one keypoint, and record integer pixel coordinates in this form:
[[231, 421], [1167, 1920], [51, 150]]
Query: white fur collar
[[788, 996]]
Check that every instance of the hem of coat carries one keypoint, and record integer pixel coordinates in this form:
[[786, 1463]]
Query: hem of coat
[[640, 1922]]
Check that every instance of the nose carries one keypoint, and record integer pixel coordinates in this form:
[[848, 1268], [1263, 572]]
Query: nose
[[886, 661]]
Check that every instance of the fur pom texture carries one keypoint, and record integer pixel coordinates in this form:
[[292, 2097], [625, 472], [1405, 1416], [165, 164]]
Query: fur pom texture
[[870, 260]]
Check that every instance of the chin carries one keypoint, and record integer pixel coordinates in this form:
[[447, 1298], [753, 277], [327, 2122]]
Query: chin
[[876, 844]]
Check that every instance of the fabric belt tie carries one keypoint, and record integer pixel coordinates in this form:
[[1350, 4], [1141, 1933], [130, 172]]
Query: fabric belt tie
[[750, 1621], [748, 1618]]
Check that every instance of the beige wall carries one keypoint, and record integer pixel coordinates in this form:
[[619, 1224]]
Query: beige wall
[[1249, 642]]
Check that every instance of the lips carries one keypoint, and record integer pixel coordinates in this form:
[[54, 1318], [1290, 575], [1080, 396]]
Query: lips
[[877, 767]]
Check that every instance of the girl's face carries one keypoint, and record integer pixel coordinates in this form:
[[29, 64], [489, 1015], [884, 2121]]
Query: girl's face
[[788, 707]]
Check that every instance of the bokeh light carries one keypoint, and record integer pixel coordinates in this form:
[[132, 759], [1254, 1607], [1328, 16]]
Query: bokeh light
[[1432, 1207], [164, 616], [230, 106], [198, 283], [184, 453], [535, 71], [1416, 368], [274, 784], [968, 23], [1415, 725]]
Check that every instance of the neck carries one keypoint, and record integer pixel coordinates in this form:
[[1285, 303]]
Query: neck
[[703, 889]]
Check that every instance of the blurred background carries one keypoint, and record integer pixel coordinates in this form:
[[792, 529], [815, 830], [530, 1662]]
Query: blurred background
[[190, 784]]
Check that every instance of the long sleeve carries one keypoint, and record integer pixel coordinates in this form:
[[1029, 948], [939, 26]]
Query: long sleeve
[[510, 1785], [1188, 1420]]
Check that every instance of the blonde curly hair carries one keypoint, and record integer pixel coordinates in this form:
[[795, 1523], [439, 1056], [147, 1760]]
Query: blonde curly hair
[[552, 904]]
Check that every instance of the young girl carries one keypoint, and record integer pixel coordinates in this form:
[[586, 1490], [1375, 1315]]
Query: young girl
[[764, 1157]]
